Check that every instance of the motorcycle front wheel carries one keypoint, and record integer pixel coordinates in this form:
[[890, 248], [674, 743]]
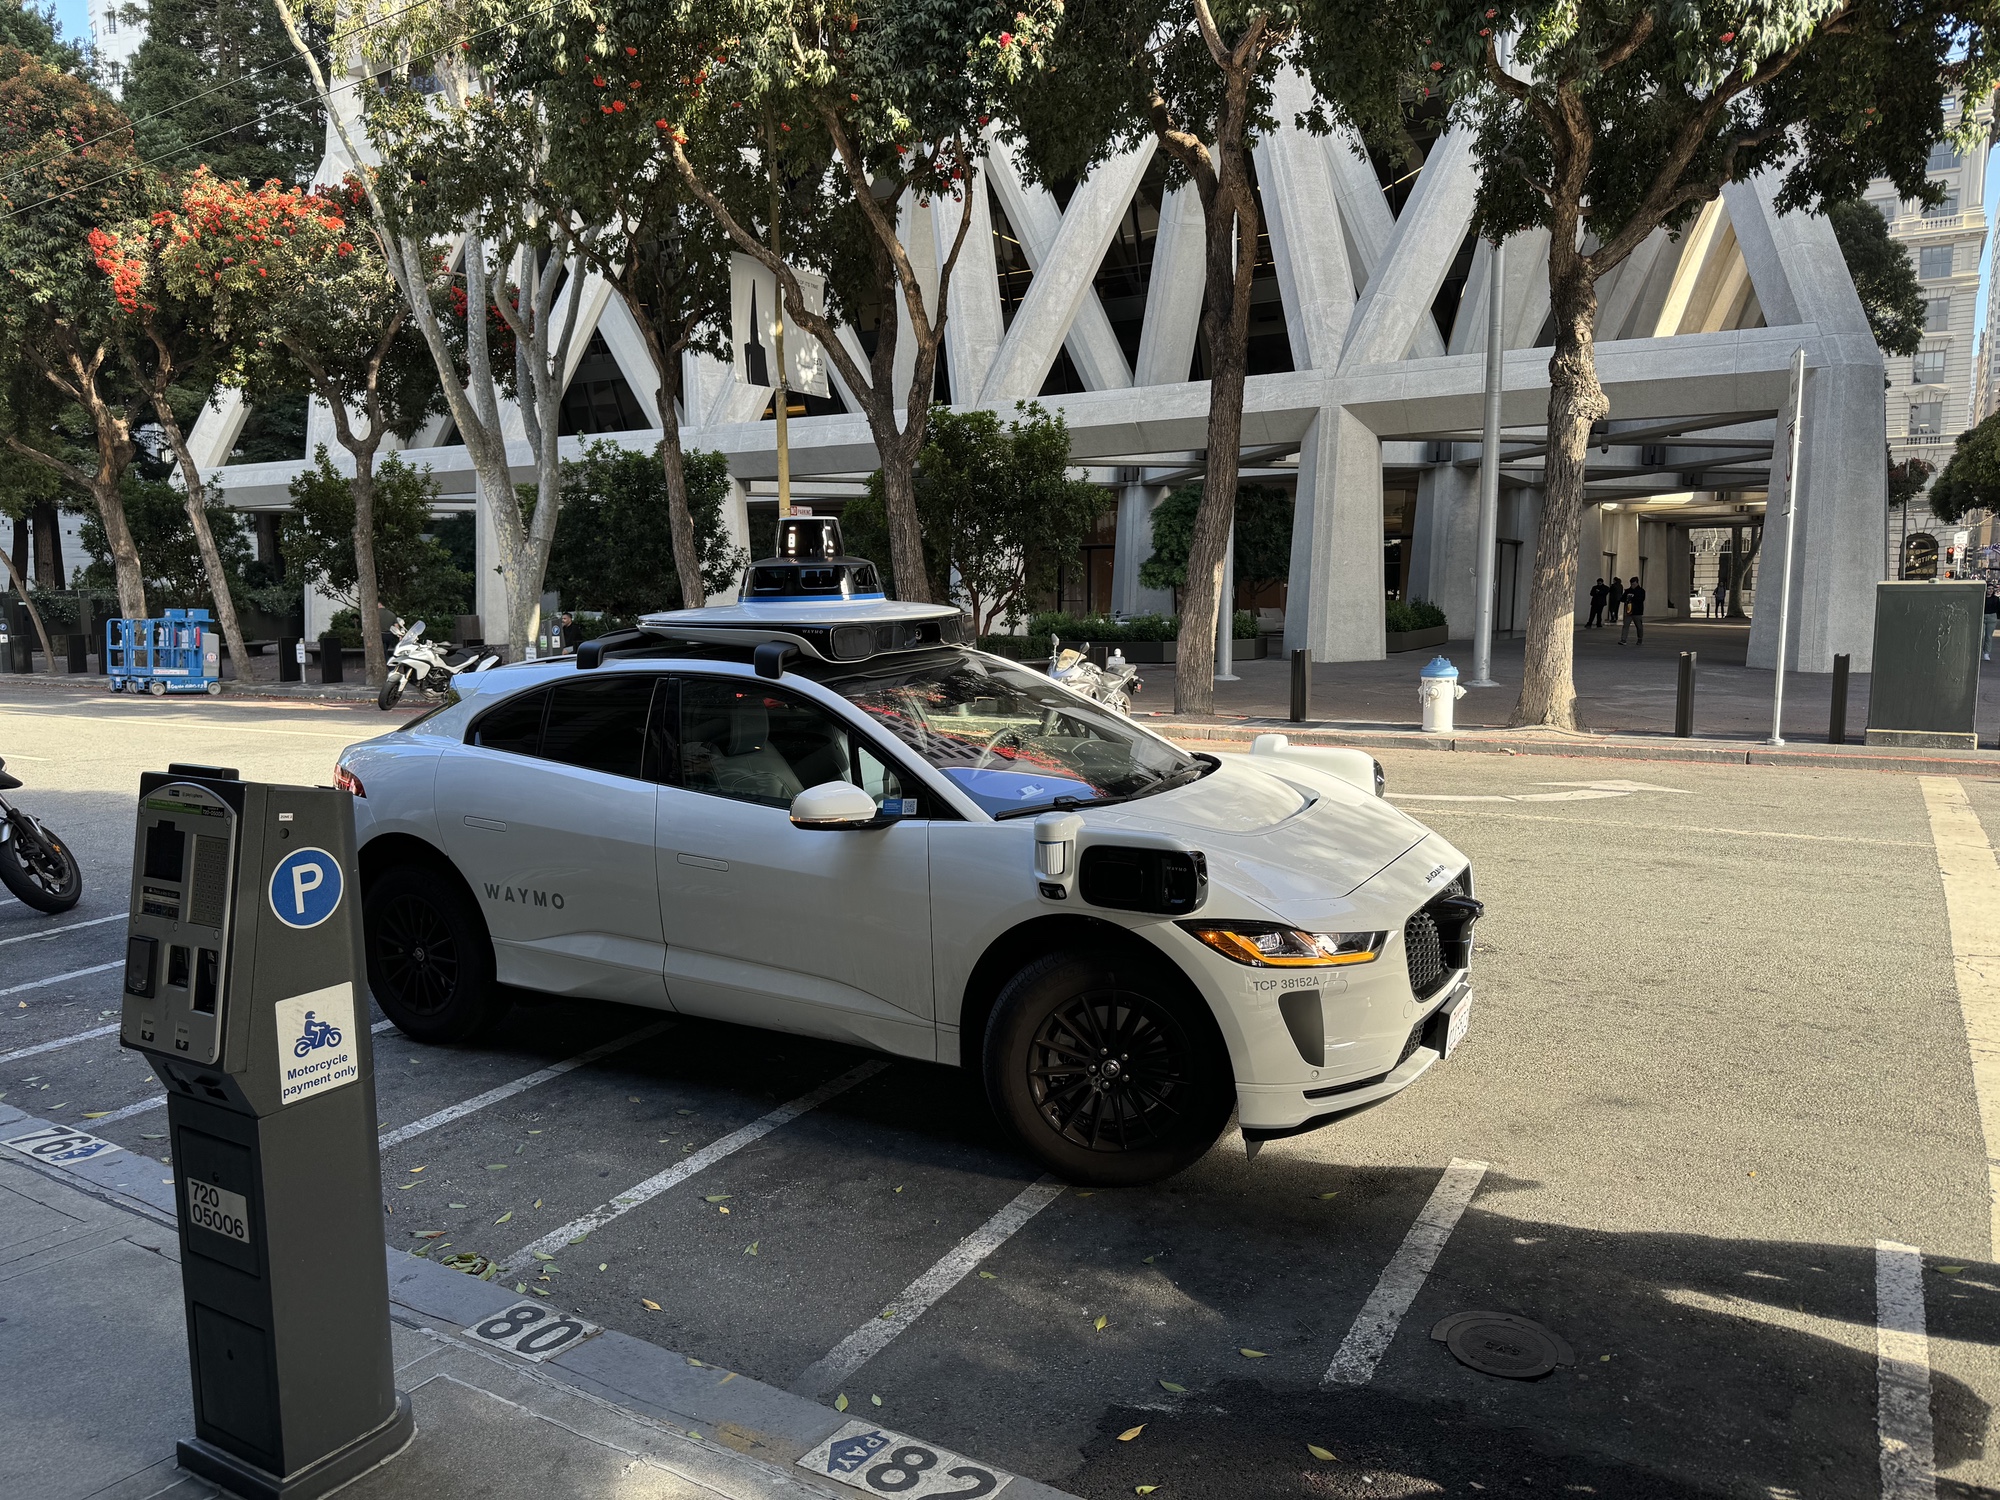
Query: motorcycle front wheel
[[40, 870], [392, 689]]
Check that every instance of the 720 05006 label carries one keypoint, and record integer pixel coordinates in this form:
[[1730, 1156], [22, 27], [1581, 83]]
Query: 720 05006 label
[[880, 1462], [218, 1210]]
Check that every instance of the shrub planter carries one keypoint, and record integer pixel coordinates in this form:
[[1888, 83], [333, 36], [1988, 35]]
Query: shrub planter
[[1417, 640]]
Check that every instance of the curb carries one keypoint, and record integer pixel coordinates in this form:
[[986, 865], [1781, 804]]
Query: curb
[[1600, 747], [737, 1414]]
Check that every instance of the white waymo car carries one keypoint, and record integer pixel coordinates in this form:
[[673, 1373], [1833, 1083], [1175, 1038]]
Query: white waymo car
[[814, 811]]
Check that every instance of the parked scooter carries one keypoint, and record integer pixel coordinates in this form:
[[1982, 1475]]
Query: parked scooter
[[1114, 684], [419, 663], [34, 864]]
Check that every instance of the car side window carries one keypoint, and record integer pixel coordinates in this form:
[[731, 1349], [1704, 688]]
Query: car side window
[[599, 723], [514, 726], [746, 742]]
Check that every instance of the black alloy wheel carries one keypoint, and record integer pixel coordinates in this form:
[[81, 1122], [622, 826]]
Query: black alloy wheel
[[1112, 1074], [430, 962], [39, 869]]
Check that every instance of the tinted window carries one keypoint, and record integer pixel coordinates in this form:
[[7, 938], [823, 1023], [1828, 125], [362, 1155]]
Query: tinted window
[[754, 745], [599, 723], [514, 726]]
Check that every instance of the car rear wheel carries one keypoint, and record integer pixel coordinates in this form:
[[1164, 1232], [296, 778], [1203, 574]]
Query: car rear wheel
[[430, 962], [1112, 1074]]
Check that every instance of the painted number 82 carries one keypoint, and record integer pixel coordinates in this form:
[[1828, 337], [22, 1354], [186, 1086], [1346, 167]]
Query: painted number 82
[[907, 1468]]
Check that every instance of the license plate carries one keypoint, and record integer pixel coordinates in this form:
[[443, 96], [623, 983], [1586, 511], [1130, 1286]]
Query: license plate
[[1460, 1022]]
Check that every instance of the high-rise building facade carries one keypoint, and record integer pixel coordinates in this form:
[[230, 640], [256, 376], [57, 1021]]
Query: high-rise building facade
[[117, 27]]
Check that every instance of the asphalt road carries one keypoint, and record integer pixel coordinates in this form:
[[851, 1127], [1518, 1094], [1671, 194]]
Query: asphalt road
[[1718, 1056]]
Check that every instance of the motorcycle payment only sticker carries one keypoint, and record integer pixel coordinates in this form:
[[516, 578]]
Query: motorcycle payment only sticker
[[316, 1046]]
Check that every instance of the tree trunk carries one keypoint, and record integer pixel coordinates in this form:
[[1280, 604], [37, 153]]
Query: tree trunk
[[366, 587], [680, 520], [124, 551], [195, 496], [47, 525], [21, 586], [899, 501], [1576, 403], [18, 559]]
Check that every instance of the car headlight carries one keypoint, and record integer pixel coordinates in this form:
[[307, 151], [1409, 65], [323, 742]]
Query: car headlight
[[1265, 945]]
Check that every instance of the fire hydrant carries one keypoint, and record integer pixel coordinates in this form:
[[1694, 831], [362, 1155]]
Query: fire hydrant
[[1437, 690]]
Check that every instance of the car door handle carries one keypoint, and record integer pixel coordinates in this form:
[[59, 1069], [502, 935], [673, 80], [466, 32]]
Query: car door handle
[[702, 861], [493, 823]]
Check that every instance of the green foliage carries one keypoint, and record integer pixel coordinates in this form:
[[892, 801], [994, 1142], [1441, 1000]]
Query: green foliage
[[1907, 480], [1884, 279], [216, 81], [1971, 478], [1098, 629], [613, 549], [157, 513], [1263, 537], [1401, 615], [415, 574]]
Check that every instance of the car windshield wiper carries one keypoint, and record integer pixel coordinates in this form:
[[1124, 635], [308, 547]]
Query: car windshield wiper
[[1202, 766]]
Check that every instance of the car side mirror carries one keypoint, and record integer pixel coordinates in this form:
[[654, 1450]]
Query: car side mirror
[[834, 804]]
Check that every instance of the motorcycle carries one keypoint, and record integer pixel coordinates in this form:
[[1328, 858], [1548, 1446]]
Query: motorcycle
[[34, 864], [416, 662], [317, 1034], [1114, 684]]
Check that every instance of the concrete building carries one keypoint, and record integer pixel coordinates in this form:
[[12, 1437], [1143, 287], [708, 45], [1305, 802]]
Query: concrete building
[[117, 28], [1364, 399], [1946, 386]]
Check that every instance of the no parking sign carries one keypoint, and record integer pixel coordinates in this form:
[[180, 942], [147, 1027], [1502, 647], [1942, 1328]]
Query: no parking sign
[[305, 888]]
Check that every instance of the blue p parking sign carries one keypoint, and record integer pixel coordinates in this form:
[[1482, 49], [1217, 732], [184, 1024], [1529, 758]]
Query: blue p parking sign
[[305, 888]]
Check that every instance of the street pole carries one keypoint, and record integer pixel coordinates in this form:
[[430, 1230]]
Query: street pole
[[1225, 615], [782, 396], [1489, 478], [1798, 406]]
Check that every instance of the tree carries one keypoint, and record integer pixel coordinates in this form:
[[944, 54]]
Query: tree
[[999, 509], [1611, 119], [1971, 477], [873, 115], [67, 166], [314, 306], [615, 546], [176, 572], [416, 576], [215, 83], [466, 157], [1199, 78], [1884, 279], [1907, 480], [1263, 537]]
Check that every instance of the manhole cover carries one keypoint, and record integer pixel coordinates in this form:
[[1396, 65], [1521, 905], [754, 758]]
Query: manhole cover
[[1497, 1343]]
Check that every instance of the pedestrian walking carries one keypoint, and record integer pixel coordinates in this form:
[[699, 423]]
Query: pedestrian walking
[[1721, 599], [1635, 613], [1614, 601], [1597, 595]]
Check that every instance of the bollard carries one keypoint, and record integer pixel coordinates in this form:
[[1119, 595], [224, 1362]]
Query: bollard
[[1836, 723], [291, 659], [1437, 691], [329, 658], [20, 633], [1302, 686], [1684, 698], [79, 654]]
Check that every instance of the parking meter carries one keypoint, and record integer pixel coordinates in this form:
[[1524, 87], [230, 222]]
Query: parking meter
[[243, 989]]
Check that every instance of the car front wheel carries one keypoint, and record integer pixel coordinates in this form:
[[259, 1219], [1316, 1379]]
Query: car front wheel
[[430, 962], [1112, 1074]]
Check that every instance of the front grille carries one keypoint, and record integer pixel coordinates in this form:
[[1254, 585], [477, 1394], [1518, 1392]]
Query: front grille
[[1424, 952]]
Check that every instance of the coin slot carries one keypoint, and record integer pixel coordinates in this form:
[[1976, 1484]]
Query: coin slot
[[207, 976], [177, 968]]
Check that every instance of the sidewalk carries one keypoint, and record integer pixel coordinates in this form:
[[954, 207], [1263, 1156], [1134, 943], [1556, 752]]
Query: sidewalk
[[96, 1368]]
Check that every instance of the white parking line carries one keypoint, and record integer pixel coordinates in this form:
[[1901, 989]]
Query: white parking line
[[872, 1337], [1903, 1375], [692, 1163], [61, 1041], [29, 937], [36, 984], [520, 1085], [1972, 904], [1382, 1313]]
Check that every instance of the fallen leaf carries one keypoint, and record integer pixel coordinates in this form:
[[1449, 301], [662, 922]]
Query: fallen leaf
[[1101, 1321], [723, 1210], [152, 1137], [899, 1190], [631, 1098], [581, 1238], [496, 1166], [505, 1217], [543, 1255], [427, 1234], [1950, 1270], [874, 1400], [1131, 1432], [520, 1148], [840, 1402], [458, 1205], [1149, 1260], [521, 1286], [404, 1187], [727, 1378], [534, 1132], [538, 1291], [101, 1113], [1168, 1385], [1324, 1196], [603, 1265], [1320, 1453], [538, 1203], [419, 1169], [1144, 1489], [988, 1276], [751, 1248], [696, 1363], [1604, 1359], [1086, 1195], [651, 1306], [683, 1111], [718, 1197], [1253, 1353]]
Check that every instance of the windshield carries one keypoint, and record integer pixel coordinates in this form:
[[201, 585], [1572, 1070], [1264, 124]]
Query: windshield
[[1011, 739]]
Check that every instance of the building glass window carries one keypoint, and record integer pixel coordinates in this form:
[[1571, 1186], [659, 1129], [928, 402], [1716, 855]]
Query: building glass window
[[1937, 314], [1944, 156], [1934, 262], [1926, 418], [1927, 368], [111, 23], [1946, 208]]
